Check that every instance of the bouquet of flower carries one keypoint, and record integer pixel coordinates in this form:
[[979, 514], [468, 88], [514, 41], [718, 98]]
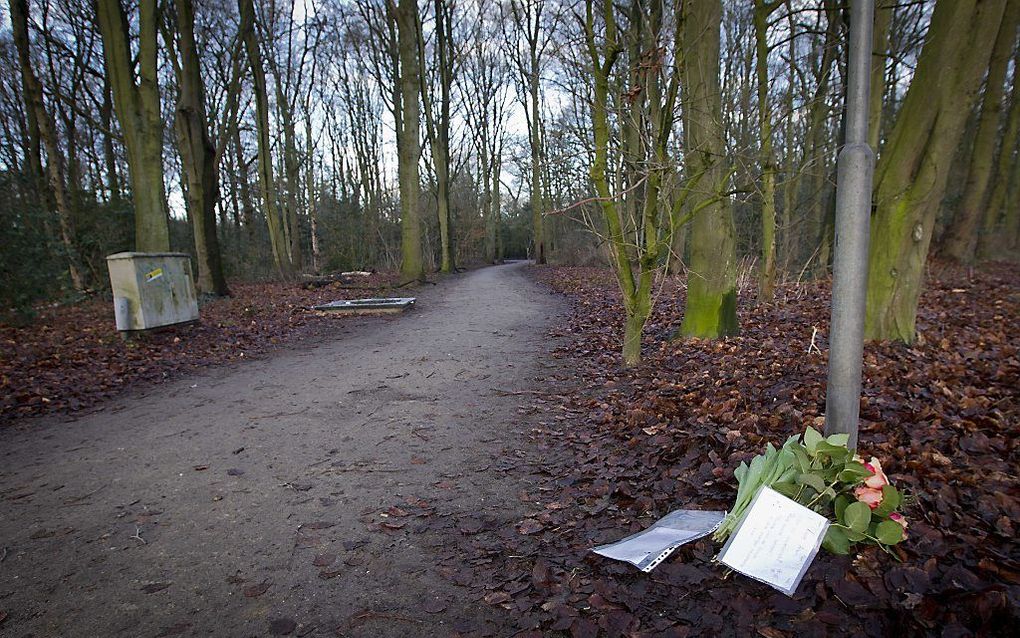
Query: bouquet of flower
[[822, 474]]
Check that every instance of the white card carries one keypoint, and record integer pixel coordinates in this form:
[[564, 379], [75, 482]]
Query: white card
[[776, 541]]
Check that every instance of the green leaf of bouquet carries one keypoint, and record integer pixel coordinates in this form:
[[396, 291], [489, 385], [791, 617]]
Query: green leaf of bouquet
[[840, 439], [836, 540], [839, 506], [740, 472], [853, 472], [855, 537], [802, 459], [891, 495], [891, 499], [834, 452], [857, 516], [813, 481], [811, 439], [889, 532], [788, 475], [786, 488]]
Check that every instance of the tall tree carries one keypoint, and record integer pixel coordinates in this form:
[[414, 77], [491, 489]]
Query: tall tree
[[199, 158], [767, 276], [437, 125], [43, 121], [879, 52], [484, 87], [961, 237], [711, 310], [526, 18], [992, 237], [636, 241], [408, 138], [910, 178], [136, 103], [267, 186]]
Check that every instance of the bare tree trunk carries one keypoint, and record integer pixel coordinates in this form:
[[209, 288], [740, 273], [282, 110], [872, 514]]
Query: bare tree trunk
[[292, 170], [990, 239], [961, 237], [198, 156], [137, 108], [408, 141], [267, 186], [818, 155], [109, 155], [767, 275], [310, 176], [537, 219], [879, 51], [438, 129], [33, 96]]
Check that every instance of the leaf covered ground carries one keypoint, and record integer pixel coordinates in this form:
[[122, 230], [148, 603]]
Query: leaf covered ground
[[70, 357], [611, 450], [620, 448]]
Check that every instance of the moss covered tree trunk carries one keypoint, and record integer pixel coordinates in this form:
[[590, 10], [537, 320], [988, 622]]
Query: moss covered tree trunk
[[990, 236], [636, 247], [136, 104], [961, 237], [711, 310], [911, 175], [1011, 218]]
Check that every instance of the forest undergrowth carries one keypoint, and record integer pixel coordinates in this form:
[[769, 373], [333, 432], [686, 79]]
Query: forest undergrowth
[[627, 446]]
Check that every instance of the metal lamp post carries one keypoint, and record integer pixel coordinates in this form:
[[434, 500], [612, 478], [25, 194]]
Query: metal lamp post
[[855, 169]]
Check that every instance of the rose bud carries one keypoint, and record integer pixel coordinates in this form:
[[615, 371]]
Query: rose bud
[[868, 495], [899, 518], [877, 478]]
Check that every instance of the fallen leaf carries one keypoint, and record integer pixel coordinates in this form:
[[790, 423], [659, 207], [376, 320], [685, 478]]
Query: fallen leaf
[[434, 606], [254, 591], [282, 626]]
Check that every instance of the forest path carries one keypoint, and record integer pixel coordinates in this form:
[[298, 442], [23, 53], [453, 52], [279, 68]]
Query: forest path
[[166, 512]]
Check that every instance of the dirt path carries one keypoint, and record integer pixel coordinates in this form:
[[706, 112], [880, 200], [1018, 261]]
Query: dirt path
[[168, 512]]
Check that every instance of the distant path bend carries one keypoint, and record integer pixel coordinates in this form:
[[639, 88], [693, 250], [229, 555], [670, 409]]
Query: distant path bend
[[166, 512]]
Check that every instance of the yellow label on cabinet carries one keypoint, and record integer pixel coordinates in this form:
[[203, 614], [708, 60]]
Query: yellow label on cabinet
[[154, 274]]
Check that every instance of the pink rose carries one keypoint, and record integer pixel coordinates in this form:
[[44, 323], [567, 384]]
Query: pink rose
[[869, 495], [899, 518], [877, 478]]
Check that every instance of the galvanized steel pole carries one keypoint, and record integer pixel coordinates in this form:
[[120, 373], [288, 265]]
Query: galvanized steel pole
[[854, 172]]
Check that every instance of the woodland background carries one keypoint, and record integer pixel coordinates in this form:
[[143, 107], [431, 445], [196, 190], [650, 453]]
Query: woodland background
[[281, 137]]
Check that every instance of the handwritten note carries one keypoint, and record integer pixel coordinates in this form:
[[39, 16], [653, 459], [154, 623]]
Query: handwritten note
[[775, 542]]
